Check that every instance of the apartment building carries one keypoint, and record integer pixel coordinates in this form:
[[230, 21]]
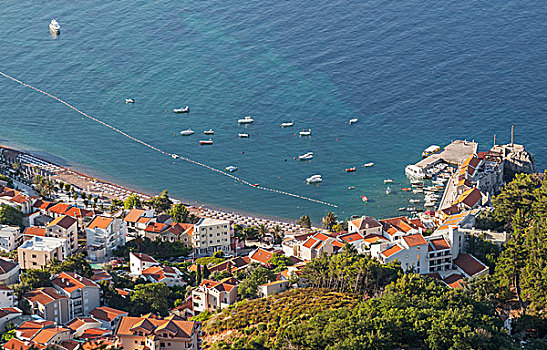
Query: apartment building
[[49, 304], [211, 235], [10, 238], [37, 252], [213, 295], [157, 333], [64, 227], [104, 235], [7, 297], [83, 293], [109, 317], [9, 272]]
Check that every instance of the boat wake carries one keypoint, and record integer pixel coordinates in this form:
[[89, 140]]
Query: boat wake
[[172, 155]]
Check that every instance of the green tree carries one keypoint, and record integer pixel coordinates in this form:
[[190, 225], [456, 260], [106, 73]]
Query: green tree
[[206, 273], [8, 180], [160, 203], [178, 213], [151, 297], [256, 276], [329, 220], [74, 263], [36, 278], [305, 221], [132, 202], [10, 216], [198, 275]]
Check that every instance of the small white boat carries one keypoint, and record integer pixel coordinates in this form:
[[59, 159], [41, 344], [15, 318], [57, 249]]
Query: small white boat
[[287, 124], [351, 187], [314, 179], [129, 100], [182, 110], [414, 201], [305, 132], [429, 204], [206, 142], [353, 120], [187, 132], [54, 27], [388, 181], [174, 156], [306, 156], [243, 135], [246, 120], [402, 209], [418, 190], [231, 168], [368, 165], [209, 132]]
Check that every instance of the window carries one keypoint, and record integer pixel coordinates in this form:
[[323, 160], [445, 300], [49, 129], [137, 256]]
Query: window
[[34, 256]]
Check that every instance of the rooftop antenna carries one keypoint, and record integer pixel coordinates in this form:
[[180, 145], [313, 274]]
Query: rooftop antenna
[[512, 131]]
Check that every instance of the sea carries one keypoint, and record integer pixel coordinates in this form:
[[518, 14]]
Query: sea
[[414, 73]]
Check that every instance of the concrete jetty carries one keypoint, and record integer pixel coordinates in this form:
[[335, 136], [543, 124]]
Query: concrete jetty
[[453, 154]]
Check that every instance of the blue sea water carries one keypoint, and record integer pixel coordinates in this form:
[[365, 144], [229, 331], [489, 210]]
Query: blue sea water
[[415, 73]]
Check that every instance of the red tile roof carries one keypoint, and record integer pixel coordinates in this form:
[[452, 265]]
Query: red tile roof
[[439, 243], [100, 222], [366, 222], [43, 296], [69, 281], [107, 314], [20, 198], [144, 257], [470, 265], [351, 237], [455, 281], [130, 325], [64, 221], [94, 333], [261, 255], [42, 205], [35, 231], [133, 215], [78, 212], [156, 227], [415, 240], [100, 275], [392, 250], [46, 334], [77, 322], [59, 208], [16, 344]]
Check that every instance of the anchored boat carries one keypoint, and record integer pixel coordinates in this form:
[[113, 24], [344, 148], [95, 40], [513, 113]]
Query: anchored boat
[[353, 120], [206, 142], [231, 168], [182, 110], [209, 132], [314, 179], [305, 132], [187, 132], [287, 124], [306, 156], [246, 120], [129, 100], [54, 27]]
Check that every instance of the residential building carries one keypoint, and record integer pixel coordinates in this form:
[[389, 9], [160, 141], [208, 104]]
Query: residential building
[[134, 227], [139, 262], [470, 266], [365, 225], [109, 317], [356, 239], [410, 250], [395, 228], [213, 295], [65, 227], [231, 266], [58, 209], [37, 252], [168, 275], [104, 234], [6, 315], [271, 288], [50, 337], [79, 325], [10, 238], [211, 235], [155, 333], [28, 329], [49, 304], [263, 256], [318, 244], [7, 297], [83, 293], [9, 272]]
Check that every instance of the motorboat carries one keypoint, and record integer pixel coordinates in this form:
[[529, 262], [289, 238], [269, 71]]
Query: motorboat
[[314, 179], [256, 185], [243, 135], [209, 132], [231, 168], [182, 110], [430, 150], [388, 181], [174, 156], [414, 200], [418, 190], [368, 165], [353, 120], [305, 132], [246, 120], [430, 204], [54, 27], [402, 209], [351, 187], [406, 189], [414, 172], [206, 142], [364, 198], [351, 170], [187, 132], [129, 100], [388, 190], [287, 124], [306, 156]]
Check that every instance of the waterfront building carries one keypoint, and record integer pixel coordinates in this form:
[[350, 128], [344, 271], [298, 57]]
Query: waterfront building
[[155, 333], [10, 238], [83, 293], [64, 227], [137, 220], [49, 304], [211, 235], [104, 235], [365, 226], [38, 252]]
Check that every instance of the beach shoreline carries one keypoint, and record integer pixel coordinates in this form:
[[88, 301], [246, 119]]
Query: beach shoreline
[[50, 166]]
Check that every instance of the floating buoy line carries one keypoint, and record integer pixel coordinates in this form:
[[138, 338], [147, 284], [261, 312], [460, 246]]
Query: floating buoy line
[[172, 155]]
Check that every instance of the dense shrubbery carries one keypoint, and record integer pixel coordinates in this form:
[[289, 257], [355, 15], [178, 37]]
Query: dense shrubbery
[[157, 249]]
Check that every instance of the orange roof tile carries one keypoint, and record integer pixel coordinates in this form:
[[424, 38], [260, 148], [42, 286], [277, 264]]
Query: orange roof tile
[[133, 215], [351, 237], [64, 221], [43, 296], [46, 334], [35, 231], [392, 250], [70, 281], [455, 281], [469, 264], [439, 243], [59, 208], [262, 255], [415, 240], [100, 222], [106, 313]]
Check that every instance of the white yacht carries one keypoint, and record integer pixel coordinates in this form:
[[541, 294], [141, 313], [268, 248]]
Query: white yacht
[[129, 100], [209, 132], [306, 156], [182, 110], [54, 27], [231, 168], [305, 132], [414, 172], [388, 181], [243, 135], [353, 120], [187, 132], [246, 120], [368, 165], [314, 179], [287, 124]]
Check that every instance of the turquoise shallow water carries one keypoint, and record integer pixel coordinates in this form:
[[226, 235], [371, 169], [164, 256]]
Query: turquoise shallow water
[[413, 72]]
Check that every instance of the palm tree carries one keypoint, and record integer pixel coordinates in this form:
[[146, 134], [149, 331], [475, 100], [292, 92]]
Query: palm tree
[[329, 220], [262, 230], [277, 233]]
